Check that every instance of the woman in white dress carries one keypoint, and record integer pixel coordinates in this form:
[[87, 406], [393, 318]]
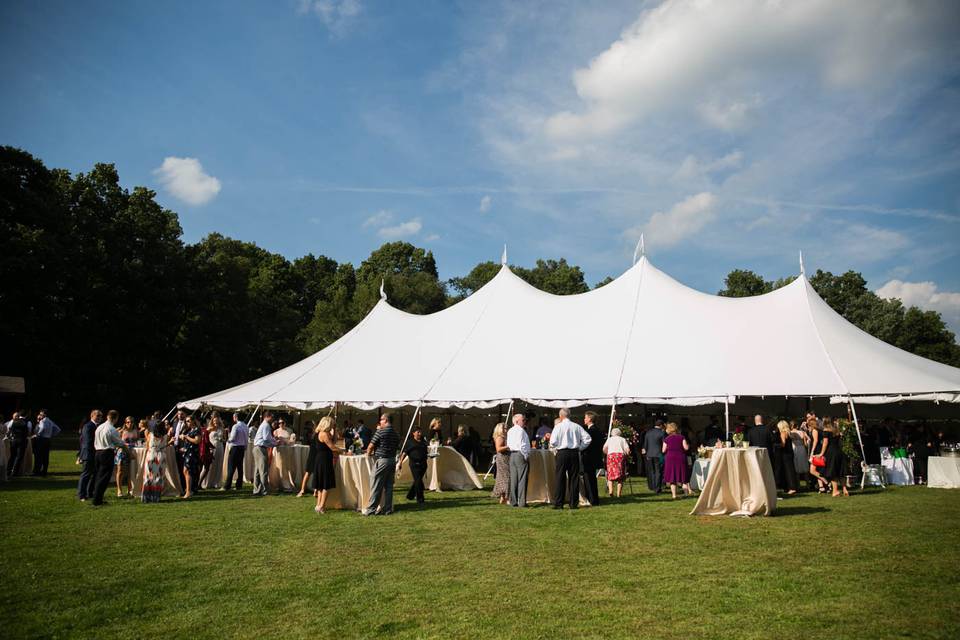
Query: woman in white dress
[[211, 475]]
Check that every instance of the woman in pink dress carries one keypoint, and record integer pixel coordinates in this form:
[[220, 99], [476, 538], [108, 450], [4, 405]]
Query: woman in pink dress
[[675, 465]]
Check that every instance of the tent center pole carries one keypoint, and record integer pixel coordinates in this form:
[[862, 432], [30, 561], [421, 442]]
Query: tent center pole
[[254, 414], [863, 452]]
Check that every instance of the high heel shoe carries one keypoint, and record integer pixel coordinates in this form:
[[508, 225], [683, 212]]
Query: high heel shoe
[[318, 510]]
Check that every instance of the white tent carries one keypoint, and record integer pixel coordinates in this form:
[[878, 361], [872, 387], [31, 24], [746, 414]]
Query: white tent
[[642, 338]]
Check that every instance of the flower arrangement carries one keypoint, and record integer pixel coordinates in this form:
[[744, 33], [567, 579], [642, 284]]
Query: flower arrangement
[[737, 438], [849, 443]]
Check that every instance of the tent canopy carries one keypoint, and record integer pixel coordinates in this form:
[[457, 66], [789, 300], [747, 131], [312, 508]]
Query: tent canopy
[[643, 337]]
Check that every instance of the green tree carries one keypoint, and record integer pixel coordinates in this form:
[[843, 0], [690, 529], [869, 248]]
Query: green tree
[[333, 314], [603, 282], [409, 276], [470, 283], [554, 276]]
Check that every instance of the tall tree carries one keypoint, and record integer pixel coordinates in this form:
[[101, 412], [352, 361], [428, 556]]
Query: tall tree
[[555, 276]]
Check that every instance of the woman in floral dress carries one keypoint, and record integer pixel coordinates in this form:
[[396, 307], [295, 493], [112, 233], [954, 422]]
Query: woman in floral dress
[[617, 449], [153, 474], [502, 453], [190, 443]]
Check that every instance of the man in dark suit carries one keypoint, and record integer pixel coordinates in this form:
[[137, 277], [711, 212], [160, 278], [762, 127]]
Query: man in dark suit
[[712, 433], [18, 433], [653, 455], [85, 456], [592, 457], [759, 435]]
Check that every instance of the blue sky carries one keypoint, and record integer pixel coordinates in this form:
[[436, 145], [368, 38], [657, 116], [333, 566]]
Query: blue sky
[[731, 135]]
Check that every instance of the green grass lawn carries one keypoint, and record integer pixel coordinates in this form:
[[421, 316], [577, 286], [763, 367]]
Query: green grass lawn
[[880, 565]]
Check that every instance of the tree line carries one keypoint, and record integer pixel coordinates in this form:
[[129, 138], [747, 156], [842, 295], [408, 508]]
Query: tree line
[[104, 303]]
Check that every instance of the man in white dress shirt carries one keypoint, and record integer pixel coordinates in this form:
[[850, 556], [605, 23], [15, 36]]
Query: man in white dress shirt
[[237, 445], [519, 443], [105, 441], [568, 439]]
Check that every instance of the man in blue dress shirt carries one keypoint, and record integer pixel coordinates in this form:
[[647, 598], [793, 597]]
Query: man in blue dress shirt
[[46, 430], [262, 443]]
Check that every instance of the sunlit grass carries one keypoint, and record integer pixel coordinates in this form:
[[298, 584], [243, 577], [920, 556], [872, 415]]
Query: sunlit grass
[[880, 565]]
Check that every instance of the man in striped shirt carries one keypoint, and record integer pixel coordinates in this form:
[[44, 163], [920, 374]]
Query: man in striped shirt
[[383, 446]]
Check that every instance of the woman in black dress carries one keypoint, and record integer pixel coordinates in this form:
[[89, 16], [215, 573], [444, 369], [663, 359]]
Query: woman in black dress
[[416, 452], [832, 451], [783, 461], [324, 470], [311, 457]]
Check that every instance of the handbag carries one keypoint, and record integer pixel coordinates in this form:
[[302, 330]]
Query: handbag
[[819, 461]]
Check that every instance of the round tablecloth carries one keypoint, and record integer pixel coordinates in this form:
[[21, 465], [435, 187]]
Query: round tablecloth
[[698, 477], [943, 472], [740, 481], [896, 470], [448, 471]]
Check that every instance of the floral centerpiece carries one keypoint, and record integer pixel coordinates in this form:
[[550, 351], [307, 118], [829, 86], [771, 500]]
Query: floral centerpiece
[[850, 445], [737, 438]]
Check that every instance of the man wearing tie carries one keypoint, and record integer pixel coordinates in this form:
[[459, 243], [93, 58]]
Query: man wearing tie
[[568, 440], [237, 442], [46, 429], [519, 444], [85, 455], [592, 457], [179, 425]]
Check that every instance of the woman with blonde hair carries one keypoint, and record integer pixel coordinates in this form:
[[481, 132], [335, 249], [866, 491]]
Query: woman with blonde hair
[[502, 457], [123, 459], [462, 442], [783, 461], [436, 430], [324, 473], [675, 447]]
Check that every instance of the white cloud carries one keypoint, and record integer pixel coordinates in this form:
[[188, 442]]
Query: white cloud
[[379, 219], [433, 237], [927, 296], [401, 230], [709, 54], [692, 167], [184, 179], [336, 15], [485, 202], [684, 219], [860, 243]]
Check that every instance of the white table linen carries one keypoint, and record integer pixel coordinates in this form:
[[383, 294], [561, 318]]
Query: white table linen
[[740, 480], [943, 472]]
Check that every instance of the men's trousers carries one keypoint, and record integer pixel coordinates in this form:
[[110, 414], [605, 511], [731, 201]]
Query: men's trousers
[[653, 473], [590, 482], [519, 467], [104, 470], [261, 481], [41, 455], [381, 486], [416, 490], [567, 478], [17, 451], [235, 464], [87, 472], [183, 479]]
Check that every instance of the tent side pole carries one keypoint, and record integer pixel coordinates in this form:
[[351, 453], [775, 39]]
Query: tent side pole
[[506, 423], [410, 428], [169, 413], [726, 416], [863, 452], [613, 413], [254, 414]]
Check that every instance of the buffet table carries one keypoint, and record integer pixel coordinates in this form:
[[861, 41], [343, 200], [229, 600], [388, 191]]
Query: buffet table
[[171, 477], [541, 477], [896, 470], [447, 471], [943, 472], [740, 482]]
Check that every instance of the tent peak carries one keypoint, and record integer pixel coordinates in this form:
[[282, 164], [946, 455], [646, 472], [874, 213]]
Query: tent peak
[[503, 257], [383, 293], [802, 272]]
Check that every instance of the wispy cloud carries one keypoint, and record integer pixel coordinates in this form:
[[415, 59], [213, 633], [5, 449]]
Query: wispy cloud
[[485, 202], [379, 219], [337, 15], [684, 219], [185, 179], [401, 230]]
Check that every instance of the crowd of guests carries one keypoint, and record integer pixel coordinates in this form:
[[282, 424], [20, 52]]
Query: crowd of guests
[[808, 451]]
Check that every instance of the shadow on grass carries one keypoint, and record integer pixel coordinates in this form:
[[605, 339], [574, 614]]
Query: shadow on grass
[[798, 510], [35, 483]]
